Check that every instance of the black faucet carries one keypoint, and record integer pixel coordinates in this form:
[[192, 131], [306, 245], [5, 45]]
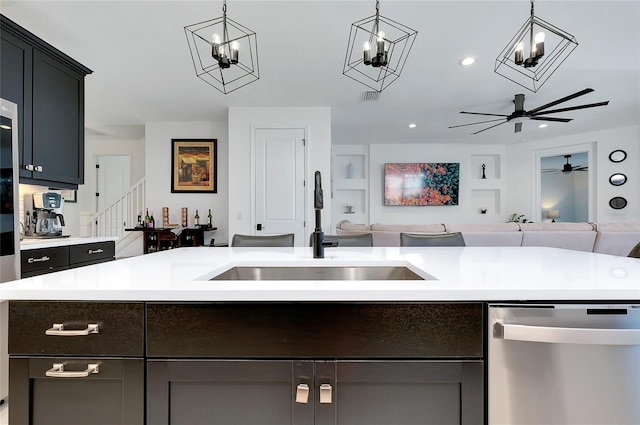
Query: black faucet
[[317, 239]]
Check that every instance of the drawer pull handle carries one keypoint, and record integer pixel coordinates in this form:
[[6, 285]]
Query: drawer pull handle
[[302, 393], [57, 371], [325, 393], [39, 168], [38, 260], [95, 251], [58, 330]]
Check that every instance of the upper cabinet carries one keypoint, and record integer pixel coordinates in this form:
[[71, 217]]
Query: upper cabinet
[[48, 87]]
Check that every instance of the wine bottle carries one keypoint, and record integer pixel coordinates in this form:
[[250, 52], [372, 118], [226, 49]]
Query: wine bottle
[[152, 222], [196, 219], [146, 217], [210, 219]]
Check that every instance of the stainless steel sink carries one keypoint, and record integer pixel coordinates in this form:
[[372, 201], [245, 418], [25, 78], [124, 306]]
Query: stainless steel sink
[[319, 273]]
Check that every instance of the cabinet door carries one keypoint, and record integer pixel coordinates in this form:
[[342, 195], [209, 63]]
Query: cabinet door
[[15, 86], [58, 121], [112, 396], [399, 392], [223, 392]]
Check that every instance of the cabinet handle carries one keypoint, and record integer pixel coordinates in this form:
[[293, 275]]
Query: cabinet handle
[[58, 330], [38, 260], [39, 168], [325, 393], [28, 167], [95, 251], [57, 371], [302, 393]]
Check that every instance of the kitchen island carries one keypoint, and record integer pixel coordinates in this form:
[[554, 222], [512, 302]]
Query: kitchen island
[[161, 340]]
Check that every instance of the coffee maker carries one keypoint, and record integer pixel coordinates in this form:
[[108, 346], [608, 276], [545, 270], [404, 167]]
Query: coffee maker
[[43, 214]]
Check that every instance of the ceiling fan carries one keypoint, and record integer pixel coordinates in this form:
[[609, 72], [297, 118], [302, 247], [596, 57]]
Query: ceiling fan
[[519, 115], [567, 168]]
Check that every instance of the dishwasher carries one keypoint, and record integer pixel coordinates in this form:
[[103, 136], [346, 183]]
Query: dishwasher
[[564, 364]]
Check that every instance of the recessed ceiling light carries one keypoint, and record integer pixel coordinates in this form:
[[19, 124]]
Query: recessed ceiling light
[[467, 61], [412, 125], [542, 126]]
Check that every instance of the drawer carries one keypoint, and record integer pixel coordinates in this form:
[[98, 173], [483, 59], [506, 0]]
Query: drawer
[[120, 328], [334, 330], [91, 252], [44, 259]]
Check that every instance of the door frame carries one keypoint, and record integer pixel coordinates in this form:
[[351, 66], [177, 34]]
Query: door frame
[[590, 148], [252, 177]]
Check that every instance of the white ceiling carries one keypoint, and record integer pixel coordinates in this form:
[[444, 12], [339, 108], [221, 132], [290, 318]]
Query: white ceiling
[[143, 70]]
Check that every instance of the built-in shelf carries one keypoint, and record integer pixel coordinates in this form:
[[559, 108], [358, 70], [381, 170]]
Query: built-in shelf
[[486, 185], [350, 184]]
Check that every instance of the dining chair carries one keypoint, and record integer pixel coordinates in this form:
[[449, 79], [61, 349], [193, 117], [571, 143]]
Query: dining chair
[[285, 240], [635, 251], [364, 239], [443, 239]]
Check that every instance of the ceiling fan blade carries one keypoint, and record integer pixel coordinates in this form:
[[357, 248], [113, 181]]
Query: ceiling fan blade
[[551, 119], [519, 101], [482, 113], [564, 99], [484, 129], [474, 123], [518, 127], [571, 108]]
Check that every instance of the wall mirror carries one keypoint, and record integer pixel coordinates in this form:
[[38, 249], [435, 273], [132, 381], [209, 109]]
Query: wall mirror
[[618, 179], [617, 156], [617, 202]]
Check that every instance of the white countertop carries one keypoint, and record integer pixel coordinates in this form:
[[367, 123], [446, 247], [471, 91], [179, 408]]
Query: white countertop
[[461, 274], [34, 243]]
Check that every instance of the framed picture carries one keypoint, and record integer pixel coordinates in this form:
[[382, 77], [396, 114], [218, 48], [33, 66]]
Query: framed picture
[[194, 165], [68, 195], [421, 183]]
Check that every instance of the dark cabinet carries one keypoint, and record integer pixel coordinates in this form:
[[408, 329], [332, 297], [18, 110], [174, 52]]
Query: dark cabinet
[[76, 363], [389, 363], [155, 240], [304, 392], [35, 262], [48, 87], [39, 261]]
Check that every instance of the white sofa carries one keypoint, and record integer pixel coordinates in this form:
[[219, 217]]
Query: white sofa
[[605, 238]]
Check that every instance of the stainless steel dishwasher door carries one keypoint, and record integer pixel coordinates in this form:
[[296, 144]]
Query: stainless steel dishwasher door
[[564, 364]]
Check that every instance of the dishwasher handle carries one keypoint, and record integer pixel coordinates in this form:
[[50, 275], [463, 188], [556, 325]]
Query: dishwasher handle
[[560, 335]]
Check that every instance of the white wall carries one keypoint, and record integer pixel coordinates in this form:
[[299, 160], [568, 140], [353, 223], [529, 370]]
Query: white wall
[[465, 212], [158, 175], [242, 123], [521, 166]]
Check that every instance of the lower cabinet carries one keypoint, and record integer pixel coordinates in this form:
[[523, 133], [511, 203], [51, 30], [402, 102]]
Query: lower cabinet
[[321, 392], [315, 363], [76, 363], [97, 391]]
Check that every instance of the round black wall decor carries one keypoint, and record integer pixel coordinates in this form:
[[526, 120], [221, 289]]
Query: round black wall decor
[[617, 202]]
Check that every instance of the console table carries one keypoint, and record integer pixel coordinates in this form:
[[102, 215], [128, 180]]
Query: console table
[[160, 239]]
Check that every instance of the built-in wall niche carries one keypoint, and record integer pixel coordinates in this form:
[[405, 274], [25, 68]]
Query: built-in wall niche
[[491, 164], [350, 184], [352, 201], [349, 166], [487, 200]]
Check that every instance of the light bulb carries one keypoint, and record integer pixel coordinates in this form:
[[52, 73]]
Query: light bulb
[[366, 46], [235, 45], [520, 47], [381, 35], [216, 39], [539, 38]]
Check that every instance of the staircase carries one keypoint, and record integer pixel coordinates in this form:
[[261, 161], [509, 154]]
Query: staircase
[[121, 214]]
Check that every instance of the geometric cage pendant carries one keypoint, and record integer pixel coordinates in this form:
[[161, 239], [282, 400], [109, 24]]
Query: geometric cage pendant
[[534, 53]]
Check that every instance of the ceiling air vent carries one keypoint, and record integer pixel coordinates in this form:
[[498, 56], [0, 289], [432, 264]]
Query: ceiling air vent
[[370, 95]]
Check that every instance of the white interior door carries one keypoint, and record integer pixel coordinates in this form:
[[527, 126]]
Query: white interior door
[[113, 179], [279, 182]]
